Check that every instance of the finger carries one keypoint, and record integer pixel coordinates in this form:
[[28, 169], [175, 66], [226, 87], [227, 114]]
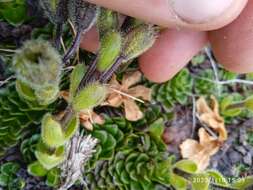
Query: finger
[[194, 14], [172, 51], [233, 44], [90, 41]]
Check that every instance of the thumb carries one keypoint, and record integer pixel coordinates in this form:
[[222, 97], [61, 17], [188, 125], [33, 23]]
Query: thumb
[[191, 14]]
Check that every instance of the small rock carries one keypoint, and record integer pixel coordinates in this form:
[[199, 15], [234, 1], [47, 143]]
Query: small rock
[[241, 149], [234, 157], [248, 159]]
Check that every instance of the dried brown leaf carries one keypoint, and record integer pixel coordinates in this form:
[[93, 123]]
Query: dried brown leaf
[[201, 151], [210, 116], [88, 119], [126, 94]]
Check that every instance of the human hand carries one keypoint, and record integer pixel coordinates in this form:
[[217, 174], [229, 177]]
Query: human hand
[[191, 25]]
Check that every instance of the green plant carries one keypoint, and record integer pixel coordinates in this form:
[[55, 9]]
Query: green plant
[[52, 176], [28, 147], [174, 91], [137, 160], [38, 70], [16, 115], [204, 87], [8, 177], [14, 12]]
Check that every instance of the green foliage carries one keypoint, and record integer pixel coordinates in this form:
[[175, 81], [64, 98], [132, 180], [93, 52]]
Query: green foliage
[[50, 151], [51, 132], [8, 177], [49, 158], [28, 147], [16, 116], [52, 176], [204, 87], [130, 160], [226, 105], [38, 69], [14, 12], [174, 91], [75, 79], [36, 169]]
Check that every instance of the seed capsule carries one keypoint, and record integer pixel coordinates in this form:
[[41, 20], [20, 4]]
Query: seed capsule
[[109, 51], [139, 40]]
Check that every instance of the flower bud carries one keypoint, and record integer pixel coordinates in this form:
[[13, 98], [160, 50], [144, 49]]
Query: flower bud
[[107, 21], [138, 40], [51, 132], [109, 51], [89, 97], [38, 66]]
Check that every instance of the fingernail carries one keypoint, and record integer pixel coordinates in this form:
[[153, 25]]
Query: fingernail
[[200, 11]]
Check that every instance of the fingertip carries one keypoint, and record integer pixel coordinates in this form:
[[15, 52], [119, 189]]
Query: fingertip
[[90, 40], [233, 44], [172, 51]]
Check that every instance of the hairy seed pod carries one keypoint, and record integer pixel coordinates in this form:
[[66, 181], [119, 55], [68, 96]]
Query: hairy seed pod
[[107, 21], [109, 51], [38, 66], [51, 132], [138, 40], [89, 97]]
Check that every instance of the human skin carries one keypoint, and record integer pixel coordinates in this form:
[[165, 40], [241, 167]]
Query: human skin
[[227, 25]]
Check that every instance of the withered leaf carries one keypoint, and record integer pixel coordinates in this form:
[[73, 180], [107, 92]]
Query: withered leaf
[[125, 93]]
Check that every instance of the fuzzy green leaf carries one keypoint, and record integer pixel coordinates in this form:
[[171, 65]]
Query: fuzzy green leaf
[[249, 103], [178, 182], [51, 132], [36, 169], [50, 161], [187, 166], [91, 96], [243, 183], [53, 177], [75, 79], [71, 128], [109, 51]]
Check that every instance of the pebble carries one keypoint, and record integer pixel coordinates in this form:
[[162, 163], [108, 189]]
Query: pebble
[[248, 159]]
